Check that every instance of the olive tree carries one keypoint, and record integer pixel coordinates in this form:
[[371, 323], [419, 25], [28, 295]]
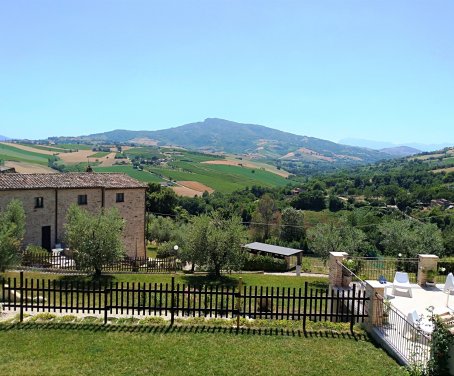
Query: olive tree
[[336, 237], [12, 231], [215, 243], [96, 239]]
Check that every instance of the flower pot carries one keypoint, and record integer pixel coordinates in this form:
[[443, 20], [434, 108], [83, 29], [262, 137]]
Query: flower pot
[[430, 284]]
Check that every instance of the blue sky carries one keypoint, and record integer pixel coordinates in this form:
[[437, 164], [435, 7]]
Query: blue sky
[[380, 70]]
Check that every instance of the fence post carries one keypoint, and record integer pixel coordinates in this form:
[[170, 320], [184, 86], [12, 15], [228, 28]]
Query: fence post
[[172, 303], [238, 303], [374, 291], [426, 263], [21, 300], [335, 269], [106, 291], [352, 309]]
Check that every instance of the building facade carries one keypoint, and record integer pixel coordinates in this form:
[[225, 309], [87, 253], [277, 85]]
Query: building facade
[[47, 197]]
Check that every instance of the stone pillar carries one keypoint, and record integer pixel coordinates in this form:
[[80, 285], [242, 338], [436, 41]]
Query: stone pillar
[[425, 263], [335, 270], [375, 304]]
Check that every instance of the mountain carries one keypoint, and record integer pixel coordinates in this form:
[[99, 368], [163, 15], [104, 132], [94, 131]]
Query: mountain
[[257, 141], [4, 138], [379, 145], [400, 151]]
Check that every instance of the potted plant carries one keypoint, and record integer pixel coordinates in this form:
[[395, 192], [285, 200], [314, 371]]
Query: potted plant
[[430, 277]]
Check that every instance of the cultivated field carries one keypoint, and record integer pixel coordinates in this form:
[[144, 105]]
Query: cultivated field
[[29, 168]]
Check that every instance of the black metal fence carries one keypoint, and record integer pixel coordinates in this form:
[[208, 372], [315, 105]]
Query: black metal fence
[[405, 337], [374, 267], [61, 263], [180, 300]]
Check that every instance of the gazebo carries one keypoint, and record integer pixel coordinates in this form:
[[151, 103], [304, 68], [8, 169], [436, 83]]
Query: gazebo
[[292, 256]]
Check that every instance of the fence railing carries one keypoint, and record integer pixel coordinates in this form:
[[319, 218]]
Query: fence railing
[[60, 263], [184, 300], [404, 337], [374, 267]]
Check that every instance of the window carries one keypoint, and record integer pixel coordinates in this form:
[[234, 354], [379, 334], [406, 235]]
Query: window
[[120, 197], [82, 199], [39, 202]]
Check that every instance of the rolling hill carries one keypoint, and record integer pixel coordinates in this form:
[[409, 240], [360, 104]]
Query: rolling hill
[[257, 141]]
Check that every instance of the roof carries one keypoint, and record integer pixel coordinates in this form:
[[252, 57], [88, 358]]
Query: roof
[[68, 180], [269, 248]]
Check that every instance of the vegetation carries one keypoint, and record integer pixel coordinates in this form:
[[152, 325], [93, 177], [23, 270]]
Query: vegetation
[[215, 243], [96, 239], [12, 231], [176, 352]]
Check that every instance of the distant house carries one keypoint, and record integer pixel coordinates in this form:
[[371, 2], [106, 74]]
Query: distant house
[[290, 255], [47, 197], [441, 202]]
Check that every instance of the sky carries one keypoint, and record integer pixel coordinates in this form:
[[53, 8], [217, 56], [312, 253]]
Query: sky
[[378, 70]]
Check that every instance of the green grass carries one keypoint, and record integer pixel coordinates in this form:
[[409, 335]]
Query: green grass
[[29, 350], [10, 153], [193, 279], [144, 176], [99, 154]]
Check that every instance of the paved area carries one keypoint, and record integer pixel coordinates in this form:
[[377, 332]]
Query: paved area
[[423, 298]]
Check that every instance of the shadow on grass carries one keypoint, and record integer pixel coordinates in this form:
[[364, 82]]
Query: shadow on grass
[[73, 280], [199, 281], [166, 329]]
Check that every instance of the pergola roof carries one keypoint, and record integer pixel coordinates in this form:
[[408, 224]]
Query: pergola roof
[[275, 249]]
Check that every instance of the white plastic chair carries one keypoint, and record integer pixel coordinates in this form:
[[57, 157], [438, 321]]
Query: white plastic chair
[[449, 284], [420, 322], [402, 282]]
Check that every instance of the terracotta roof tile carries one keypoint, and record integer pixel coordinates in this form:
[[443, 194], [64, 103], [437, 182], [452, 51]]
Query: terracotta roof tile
[[68, 180]]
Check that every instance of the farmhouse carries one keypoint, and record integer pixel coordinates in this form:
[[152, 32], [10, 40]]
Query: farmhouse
[[47, 197], [290, 255]]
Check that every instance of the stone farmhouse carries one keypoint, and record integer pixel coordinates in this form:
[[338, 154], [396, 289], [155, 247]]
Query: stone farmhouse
[[47, 197]]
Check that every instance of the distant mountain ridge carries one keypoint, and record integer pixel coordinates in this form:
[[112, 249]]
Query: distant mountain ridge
[[219, 135], [379, 145], [400, 151]]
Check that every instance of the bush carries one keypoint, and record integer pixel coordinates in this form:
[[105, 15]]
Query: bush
[[265, 263]]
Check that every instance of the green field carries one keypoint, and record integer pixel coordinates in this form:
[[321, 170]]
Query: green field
[[10, 153], [31, 349], [220, 177], [99, 154], [144, 176], [46, 148], [74, 146]]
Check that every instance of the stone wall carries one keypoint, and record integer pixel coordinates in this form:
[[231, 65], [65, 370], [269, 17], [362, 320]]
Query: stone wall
[[56, 204]]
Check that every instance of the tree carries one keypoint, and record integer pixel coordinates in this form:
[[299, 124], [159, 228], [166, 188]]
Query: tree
[[215, 243], [336, 237], [410, 238], [95, 238], [264, 218], [160, 200], [292, 222], [12, 231]]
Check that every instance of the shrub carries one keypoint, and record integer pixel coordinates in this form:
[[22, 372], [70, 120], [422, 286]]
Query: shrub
[[265, 263]]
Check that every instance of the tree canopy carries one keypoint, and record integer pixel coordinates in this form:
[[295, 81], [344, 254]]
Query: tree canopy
[[12, 231], [95, 238]]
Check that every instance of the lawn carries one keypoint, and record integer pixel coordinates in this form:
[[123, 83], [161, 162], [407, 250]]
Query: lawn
[[94, 350], [197, 280]]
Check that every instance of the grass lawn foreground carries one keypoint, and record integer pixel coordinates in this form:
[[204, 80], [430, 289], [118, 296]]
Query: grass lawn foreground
[[34, 351]]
